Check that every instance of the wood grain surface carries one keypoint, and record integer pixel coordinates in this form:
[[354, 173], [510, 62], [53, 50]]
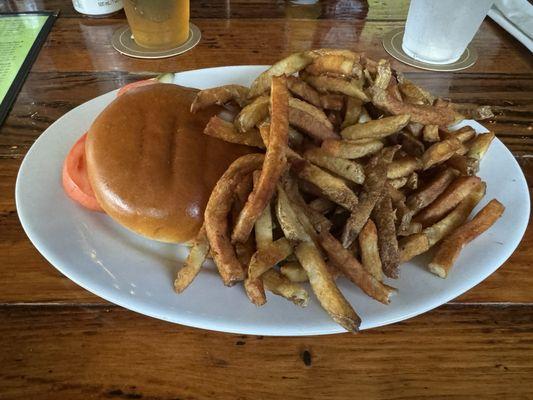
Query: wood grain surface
[[59, 341]]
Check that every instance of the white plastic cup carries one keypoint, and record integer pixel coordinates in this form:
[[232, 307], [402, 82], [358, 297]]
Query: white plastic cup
[[97, 8], [438, 31]]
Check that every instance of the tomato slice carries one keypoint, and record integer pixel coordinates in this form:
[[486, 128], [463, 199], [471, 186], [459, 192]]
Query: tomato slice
[[75, 179], [134, 85]]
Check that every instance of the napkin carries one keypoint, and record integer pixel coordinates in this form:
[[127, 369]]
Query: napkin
[[516, 17]]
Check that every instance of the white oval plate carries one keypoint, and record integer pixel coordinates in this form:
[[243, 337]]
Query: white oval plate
[[136, 273]]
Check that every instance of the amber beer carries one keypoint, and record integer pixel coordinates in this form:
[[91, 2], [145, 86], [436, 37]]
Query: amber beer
[[158, 24]]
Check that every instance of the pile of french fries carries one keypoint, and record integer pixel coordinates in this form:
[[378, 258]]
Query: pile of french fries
[[359, 174]]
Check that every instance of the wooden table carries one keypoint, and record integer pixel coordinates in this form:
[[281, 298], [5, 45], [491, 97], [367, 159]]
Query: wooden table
[[60, 341]]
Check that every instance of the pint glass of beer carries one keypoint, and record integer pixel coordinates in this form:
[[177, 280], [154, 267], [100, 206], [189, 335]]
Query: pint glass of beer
[[158, 24]]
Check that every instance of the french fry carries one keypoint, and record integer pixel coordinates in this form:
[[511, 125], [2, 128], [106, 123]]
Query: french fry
[[364, 116], [395, 194], [265, 258], [411, 229], [383, 75], [455, 218], [288, 220], [295, 138], [412, 181], [332, 102], [473, 111], [322, 205], [376, 129], [328, 84], [478, 146], [219, 95], [324, 287], [415, 129], [463, 134], [465, 165], [346, 169], [353, 111], [412, 246], [454, 193], [411, 145], [252, 114], [193, 264], [303, 90], [424, 114], [287, 66], [335, 64], [216, 217], [431, 133], [294, 272], [440, 152], [413, 93], [220, 129], [368, 245], [451, 247], [376, 177], [310, 120], [274, 164], [349, 149], [433, 189], [281, 286], [331, 187], [388, 243], [353, 270], [403, 167], [398, 183]]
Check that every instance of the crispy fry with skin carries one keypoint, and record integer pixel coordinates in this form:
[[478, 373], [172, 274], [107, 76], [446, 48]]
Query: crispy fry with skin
[[328, 84], [353, 270], [398, 183], [368, 245], [287, 66], [294, 272], [473, 111], [413, 93], [454, 193], [265, 258], [193, 264], [411, 145], [433, 189], [322, 205], [332, 102], [463, 134], [310, 120], [376, 129], [455, 218], [220, 129], [325, 289], [478, 146], [451, 247], [219, 95], [424, 114], [331, 64], [252, 114], [376, 178], [287, 218], [403, 167], [281, 286], [346, 169], [331, 187], [440, 152], [274, 165], [413, 245], [430, 133], [350, 149], [303, 90], [465, 165], [383, 75], [412, 181], [415, 129], [216, 217], [313, 111], [353, 111], [383, 216]]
